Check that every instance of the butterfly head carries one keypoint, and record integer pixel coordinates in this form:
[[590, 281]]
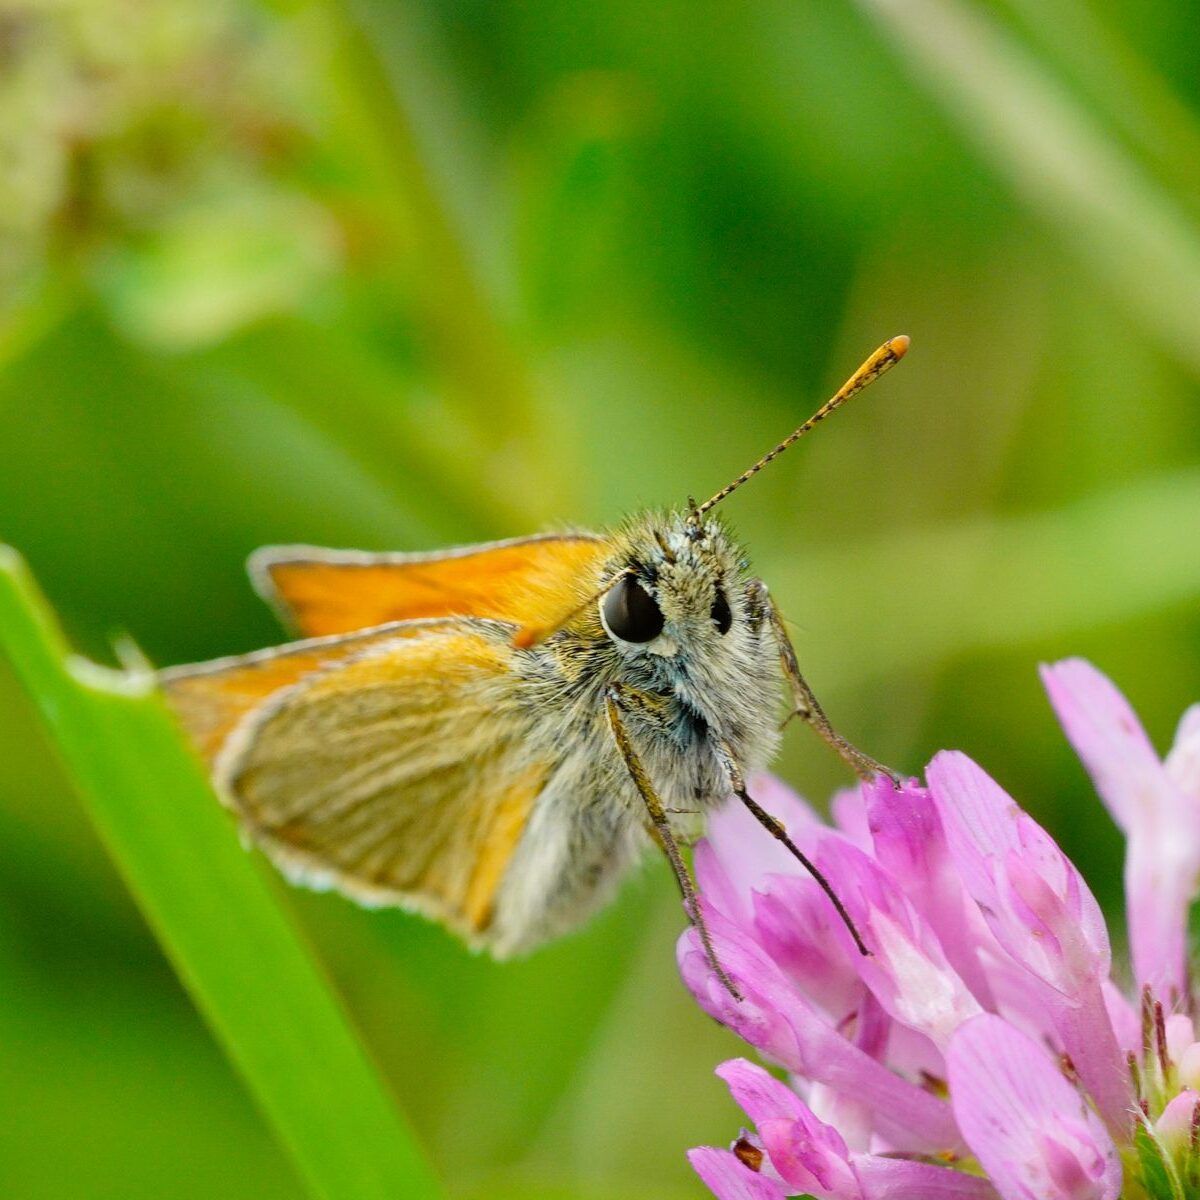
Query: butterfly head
[[681, 584], [676, 586], [676, 582]]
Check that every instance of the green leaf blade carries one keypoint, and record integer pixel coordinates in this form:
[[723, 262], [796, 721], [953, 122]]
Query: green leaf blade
[[211, 905]]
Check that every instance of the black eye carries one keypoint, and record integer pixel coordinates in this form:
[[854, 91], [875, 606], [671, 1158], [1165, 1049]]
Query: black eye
[[630, 612], [721, 615]]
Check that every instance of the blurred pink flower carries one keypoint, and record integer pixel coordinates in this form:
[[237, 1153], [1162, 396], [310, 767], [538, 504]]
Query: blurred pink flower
[[982, 1049]]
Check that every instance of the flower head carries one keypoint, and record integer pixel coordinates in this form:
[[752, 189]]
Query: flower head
[[982, 1049]]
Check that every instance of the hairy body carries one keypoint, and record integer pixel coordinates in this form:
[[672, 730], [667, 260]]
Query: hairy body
[[683, 693]]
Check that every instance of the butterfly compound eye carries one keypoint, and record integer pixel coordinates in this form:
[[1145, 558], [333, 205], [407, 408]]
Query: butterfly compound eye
[[631, 613], [721, 615]]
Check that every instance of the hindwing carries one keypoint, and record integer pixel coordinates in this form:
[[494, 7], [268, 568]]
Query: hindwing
[[399, 773]]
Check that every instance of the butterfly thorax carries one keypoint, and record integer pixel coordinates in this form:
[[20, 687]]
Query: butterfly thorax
[[708, 676]]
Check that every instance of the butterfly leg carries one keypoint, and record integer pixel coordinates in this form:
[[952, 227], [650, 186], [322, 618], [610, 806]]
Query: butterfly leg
[[810, 711], [737, 785], [661, 832]]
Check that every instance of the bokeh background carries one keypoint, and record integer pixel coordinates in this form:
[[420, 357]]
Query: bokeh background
[[395, 275]]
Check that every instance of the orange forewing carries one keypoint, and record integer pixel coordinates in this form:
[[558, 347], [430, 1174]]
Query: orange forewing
[[529, 582]]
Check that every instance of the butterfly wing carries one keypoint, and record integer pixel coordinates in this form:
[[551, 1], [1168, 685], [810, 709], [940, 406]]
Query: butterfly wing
[[528, 581], [211, 698], [399, 775]]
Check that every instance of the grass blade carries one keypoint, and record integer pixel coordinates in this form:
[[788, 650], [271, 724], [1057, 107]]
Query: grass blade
[[987, 583], [1125, 228], [244, 963]]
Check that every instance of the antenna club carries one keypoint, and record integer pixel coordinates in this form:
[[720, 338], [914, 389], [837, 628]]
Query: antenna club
[[885, 357]]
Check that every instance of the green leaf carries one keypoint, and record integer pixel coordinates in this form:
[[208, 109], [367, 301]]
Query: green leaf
[[210, 904]]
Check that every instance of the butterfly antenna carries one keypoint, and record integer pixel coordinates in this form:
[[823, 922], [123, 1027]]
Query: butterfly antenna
[[886, 357]]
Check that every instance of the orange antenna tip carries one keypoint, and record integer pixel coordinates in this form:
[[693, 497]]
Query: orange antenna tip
[[883, 359]]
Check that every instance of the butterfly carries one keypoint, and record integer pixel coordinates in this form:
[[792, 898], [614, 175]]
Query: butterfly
[[492, 735]]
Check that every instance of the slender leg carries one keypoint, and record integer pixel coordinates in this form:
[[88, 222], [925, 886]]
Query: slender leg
[[809, 710], [737, 784], [661, 831]]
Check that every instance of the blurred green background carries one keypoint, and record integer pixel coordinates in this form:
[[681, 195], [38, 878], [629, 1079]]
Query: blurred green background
[[397, 275]]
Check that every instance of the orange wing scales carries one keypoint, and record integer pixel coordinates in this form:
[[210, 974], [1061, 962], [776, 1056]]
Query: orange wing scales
[[529, 582], [386, 755], [402, 775], [210, 699], [498, 841]]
